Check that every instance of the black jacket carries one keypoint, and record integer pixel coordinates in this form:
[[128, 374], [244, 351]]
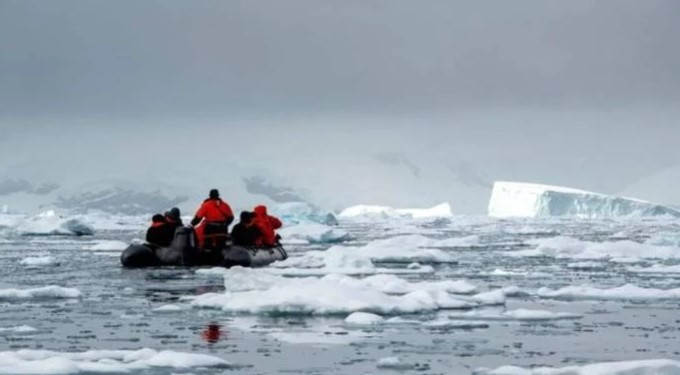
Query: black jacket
[[244, 235]]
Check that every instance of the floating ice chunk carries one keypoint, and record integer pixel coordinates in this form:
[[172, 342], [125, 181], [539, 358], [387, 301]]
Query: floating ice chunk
[[441, 210], [331, 294], [364, 319], [302, 212], [312, 233], [104, 361], [108, 245], [49, 223], [455, 324], [168, 308], [625, 292], [652, 366], [392, 284], [38, 261], [394, 363], [19, 329], [46, 292], [515, 315], [657, 268], [572, 248], [518, 199], [587, 266]]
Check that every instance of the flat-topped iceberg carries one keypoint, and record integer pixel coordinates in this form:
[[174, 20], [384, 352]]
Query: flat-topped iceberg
[[519, 199], [441, 210]]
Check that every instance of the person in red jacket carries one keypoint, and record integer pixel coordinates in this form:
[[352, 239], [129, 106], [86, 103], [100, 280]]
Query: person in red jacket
[[267, 226], [214, 215]]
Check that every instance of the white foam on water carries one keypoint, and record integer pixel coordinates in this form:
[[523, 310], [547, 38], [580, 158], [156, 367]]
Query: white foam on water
[[651, 366], [46, 292], [101, 361]]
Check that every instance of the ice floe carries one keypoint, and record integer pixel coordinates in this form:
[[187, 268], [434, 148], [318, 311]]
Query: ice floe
[[619, 251], [394, 363], [514, 315], [367, 211], [312, 233], [364, 319], [107, 245], [47, 292], [258, 292], [101, 361], [38, 261], [625, 292], [18, 329], [651, 366], [656, 268]]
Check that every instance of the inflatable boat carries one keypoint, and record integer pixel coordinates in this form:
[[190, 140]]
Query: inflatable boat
[[183, 252]]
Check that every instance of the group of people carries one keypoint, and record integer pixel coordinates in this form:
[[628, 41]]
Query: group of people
[[211, 225]]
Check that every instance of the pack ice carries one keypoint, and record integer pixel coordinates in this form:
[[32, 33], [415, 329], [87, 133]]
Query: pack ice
[[519, 199]]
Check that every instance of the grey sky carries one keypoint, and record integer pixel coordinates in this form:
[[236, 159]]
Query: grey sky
[[215, 57]]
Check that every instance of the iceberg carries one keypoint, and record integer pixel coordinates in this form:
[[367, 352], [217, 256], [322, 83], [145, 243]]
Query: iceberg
[[440, 211], [518, 199], [302, 213], [49, 223]]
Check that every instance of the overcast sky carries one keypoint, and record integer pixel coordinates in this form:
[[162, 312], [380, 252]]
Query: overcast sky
[[580, 92], [188, 57]]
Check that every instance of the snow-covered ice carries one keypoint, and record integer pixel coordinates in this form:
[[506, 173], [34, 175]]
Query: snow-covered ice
[[566, 247], [48, 223], [363, 319], [334, 294], [640, 367], [101, 361], [302, 213], [519, 199], [47, 292], [107, 245], [439, 211], [514, 315], [312, 233], [38, 261], [394, 363], [625, 292], [18, 329]]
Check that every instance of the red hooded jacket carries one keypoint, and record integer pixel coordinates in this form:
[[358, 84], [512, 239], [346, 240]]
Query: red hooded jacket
[[266, 224]]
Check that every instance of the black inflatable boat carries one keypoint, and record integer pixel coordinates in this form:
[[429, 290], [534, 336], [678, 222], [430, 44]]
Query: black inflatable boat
[[183, 252]]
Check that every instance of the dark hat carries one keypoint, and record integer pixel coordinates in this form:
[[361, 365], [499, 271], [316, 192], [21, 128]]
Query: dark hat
[[214, 193], [157, 218], [173, 213], [246, 216]]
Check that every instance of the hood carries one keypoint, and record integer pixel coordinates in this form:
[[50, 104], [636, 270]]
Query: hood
[[260, 210]]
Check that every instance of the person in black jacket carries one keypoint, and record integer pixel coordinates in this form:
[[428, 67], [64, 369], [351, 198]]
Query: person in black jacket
[[157, 233], [245, 233]]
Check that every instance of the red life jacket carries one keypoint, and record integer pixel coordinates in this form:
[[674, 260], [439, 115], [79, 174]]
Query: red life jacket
[[215, 211]]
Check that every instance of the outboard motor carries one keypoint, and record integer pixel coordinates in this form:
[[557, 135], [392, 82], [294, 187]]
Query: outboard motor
[[182, 250]]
